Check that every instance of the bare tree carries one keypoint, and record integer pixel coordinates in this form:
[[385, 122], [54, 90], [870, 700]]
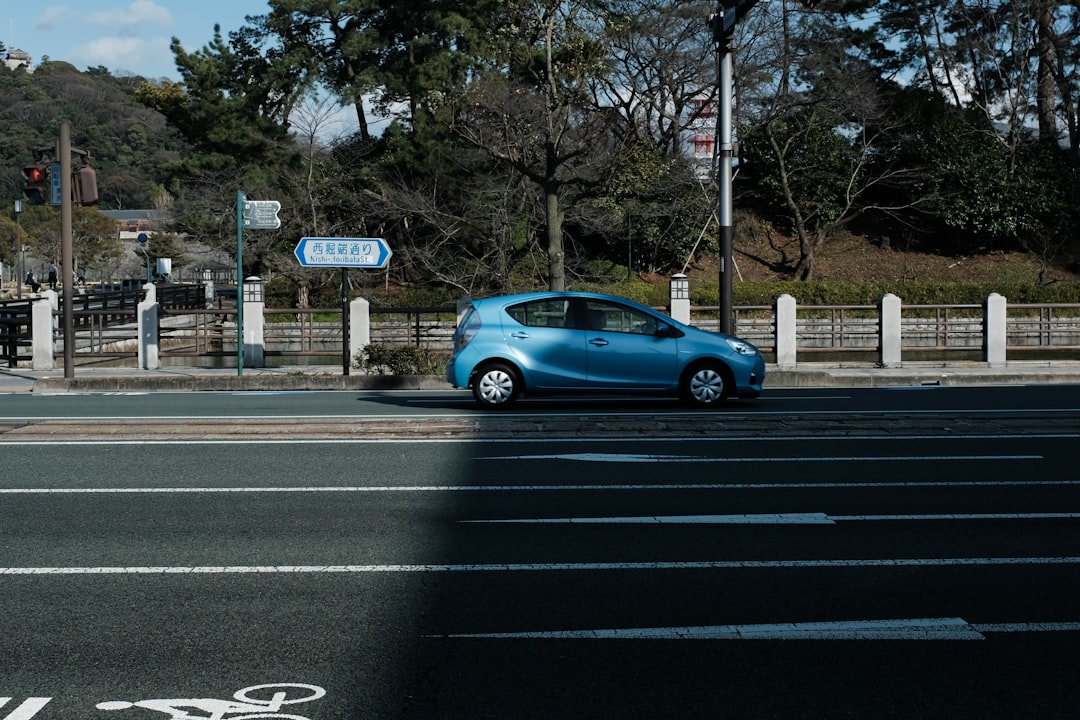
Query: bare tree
[[818, 135]]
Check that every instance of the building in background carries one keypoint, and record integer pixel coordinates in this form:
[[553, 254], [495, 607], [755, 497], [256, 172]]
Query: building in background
[[19, 59], [701, 134]]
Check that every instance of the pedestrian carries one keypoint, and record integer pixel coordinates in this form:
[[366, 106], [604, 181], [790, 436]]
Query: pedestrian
[[52, 276], [32, 281]]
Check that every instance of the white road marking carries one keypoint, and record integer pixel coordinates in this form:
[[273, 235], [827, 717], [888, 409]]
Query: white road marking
[[15, 440], [930, 485], [902, 629], [542, 567], [640, 458], [771, 519], [26, 709]]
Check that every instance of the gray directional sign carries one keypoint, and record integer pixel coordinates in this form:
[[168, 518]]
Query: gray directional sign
[[261, 215]]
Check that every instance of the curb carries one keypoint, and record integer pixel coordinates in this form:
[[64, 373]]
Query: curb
[[252, 383], [263, 381]]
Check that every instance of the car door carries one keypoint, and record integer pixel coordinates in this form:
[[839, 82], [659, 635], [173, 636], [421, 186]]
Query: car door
[[549, 349], [624, 351]]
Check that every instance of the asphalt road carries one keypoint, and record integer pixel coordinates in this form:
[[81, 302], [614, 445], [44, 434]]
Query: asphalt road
[[816, 554]]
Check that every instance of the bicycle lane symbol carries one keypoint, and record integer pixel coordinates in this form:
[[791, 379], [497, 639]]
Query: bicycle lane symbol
[[257, 702], [26, 709]]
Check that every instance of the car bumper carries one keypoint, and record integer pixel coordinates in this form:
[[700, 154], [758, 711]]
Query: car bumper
[[754, 381]]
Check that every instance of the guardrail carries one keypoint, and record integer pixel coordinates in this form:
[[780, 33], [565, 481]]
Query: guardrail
[[102, 319], [15, 331]]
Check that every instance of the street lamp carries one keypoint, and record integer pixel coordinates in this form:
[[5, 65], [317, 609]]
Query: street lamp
[[22, 251], [254, 289], [722, 24]]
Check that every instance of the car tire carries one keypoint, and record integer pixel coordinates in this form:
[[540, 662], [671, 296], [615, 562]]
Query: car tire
[[704, 385], [496, 386]]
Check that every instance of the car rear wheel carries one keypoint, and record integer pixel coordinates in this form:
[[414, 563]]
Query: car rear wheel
[[704, 385], [496, 386]]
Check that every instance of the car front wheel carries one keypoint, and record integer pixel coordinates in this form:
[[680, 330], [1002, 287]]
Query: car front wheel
[[496, 386], [704, 386]]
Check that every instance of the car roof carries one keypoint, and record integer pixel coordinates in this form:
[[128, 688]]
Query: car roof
[[550, 294]]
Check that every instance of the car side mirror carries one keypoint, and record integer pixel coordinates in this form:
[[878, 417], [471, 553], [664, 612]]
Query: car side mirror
[[664, 329]]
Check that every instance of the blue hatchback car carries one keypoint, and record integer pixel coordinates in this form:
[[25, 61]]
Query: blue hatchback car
[[569, 342]]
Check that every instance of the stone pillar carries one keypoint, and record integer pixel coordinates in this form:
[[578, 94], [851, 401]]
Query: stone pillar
[[254, 334], [254, 290], [889, 331], [786, 339], [149, 330], [208, 289], [680, 298], [42, 341], [994, 330], [359, 326]]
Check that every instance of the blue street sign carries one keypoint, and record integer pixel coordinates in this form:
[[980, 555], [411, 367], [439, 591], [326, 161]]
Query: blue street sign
[[56, 194], [343, 252]]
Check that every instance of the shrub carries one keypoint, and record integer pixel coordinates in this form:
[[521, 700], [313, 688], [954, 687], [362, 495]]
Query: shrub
[[386, 359]]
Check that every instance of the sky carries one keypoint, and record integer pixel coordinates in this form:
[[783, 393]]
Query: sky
[[125, 36]]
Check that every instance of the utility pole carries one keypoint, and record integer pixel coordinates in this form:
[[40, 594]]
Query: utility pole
[[722, 25], [723, 28], [66, 256]]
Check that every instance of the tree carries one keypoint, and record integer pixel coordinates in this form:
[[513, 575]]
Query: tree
[[94, 241], [662, 75], [818, 148], [233, 107], [536, 117], [327, 41]]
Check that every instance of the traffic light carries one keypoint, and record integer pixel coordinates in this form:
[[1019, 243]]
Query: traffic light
[[722, 23], [84, 186], [36, 184]]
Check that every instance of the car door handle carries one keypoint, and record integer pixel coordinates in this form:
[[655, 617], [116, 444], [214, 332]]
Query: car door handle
[[598, 342], [519, 334]]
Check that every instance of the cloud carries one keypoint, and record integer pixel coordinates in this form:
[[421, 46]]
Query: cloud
[[52, 17], [137, 15], [148, 54]]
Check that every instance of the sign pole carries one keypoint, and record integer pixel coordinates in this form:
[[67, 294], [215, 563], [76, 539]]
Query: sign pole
[[241, 199], [343, 253], [345, 358]]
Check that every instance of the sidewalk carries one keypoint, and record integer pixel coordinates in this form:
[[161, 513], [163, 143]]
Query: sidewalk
[[326, 377]]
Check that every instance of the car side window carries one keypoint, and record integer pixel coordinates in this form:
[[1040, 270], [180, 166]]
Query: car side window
[[612, 317], [541, 313]]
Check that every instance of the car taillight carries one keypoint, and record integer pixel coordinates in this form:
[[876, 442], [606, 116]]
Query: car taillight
[[467, 330]]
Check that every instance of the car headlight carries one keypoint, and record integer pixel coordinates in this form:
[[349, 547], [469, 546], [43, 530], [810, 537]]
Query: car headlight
[[741, 346]]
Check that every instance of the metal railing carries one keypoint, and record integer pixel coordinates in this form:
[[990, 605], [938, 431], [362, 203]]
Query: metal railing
[[15, 330], [105, 329]]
